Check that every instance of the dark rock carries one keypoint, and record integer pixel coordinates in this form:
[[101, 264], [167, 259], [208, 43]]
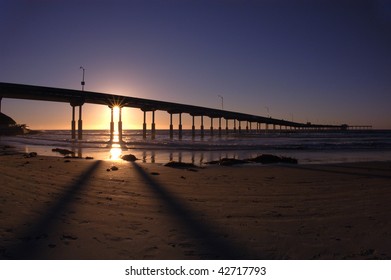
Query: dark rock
[[213, 162], [155, 173], [264, 159], [30, 155], [129, 157], [64, 152], [289, 160], [114, 168], [268, 159], [175, 164], [231, 161], [228, 161], [89, 158]]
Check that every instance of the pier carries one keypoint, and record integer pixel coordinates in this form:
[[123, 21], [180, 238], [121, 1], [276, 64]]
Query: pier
[[77, 98]]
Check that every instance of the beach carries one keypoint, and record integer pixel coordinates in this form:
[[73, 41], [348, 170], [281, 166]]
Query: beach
[[68, 208]]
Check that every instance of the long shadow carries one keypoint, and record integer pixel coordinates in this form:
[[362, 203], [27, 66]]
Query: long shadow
[[213, 243], [329, 169], [29, 245]]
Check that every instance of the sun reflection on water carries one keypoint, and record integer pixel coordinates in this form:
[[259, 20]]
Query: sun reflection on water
[[116, 150]]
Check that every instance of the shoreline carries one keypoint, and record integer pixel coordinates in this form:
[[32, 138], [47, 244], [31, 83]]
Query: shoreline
[[57, 208], [163, 155], [307, 148]]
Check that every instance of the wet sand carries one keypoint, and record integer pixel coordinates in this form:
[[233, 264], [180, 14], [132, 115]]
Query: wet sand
[[55, 208]]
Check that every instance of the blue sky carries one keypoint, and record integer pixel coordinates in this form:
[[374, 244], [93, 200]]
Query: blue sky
[[319, 61]]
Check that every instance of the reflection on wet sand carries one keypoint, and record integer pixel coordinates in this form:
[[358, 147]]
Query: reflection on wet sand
[[115, 149]]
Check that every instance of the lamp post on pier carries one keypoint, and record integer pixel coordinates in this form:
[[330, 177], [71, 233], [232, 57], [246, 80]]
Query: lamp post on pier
[[222, 101], [82, 81], [80, 122]]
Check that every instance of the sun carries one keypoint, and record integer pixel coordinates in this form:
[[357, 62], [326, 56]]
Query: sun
[[116, 112]]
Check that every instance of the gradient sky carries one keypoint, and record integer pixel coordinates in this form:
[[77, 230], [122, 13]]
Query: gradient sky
[[318, 61]]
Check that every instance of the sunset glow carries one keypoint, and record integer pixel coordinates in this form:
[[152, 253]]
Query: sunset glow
[[294, 58]]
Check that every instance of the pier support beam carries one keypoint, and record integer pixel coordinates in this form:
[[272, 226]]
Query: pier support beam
[[193, 129], [0, 102], [180, 126], [112, 124], [145, 125], [120, 125], [247, 131], [171, 127], [240, 127], [202, 126], [153, 130], [211, 126], [235, 126], [220, 127], [74, 103], [80, 125], [73, 123], [226, 126]]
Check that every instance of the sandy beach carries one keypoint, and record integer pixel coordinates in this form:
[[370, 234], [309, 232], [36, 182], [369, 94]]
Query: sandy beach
[[56, 208]]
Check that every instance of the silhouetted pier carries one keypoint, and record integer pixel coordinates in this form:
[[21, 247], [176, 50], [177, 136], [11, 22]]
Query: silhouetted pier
[[77, 99]]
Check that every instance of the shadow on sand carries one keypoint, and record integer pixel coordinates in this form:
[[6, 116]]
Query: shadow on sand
[[213, 244], [30, 243]]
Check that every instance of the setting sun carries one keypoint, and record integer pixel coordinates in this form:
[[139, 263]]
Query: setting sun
[[116, 115]]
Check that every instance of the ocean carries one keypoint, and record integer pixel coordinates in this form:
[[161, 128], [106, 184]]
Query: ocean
[[307, 147]]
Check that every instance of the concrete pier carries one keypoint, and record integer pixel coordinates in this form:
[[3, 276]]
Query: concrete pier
[[77, 98]]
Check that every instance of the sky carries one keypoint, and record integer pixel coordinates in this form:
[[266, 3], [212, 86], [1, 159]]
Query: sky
[[325, 62]]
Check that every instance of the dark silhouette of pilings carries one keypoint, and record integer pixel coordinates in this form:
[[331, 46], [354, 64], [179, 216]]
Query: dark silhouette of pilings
[[74, 103]]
